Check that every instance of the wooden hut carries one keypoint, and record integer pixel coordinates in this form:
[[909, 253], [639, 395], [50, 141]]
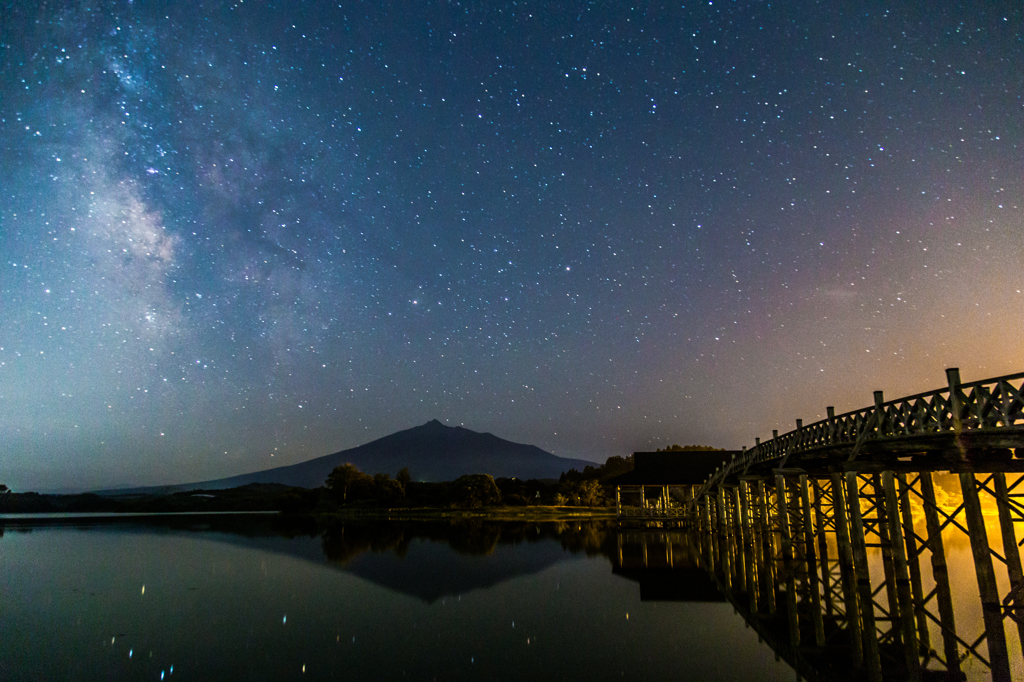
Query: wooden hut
[[661, 483]]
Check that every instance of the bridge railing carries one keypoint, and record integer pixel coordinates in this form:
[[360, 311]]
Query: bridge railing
[[957, 407]]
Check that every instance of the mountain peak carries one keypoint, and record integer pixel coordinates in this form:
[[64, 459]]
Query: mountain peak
[[432, 452]]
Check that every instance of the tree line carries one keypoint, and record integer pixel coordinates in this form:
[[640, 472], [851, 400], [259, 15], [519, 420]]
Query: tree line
[[347, 485]]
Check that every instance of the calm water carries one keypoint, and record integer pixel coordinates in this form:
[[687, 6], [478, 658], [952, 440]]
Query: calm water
[[206, 598]]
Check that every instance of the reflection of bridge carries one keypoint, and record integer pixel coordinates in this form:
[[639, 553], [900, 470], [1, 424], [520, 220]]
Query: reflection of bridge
[[820, 536]]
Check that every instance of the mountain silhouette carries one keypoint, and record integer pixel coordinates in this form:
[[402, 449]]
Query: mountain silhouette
[[432, 452]]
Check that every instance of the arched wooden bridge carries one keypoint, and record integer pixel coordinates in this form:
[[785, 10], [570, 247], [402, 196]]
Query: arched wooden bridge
[[819, 536], [957, 427]]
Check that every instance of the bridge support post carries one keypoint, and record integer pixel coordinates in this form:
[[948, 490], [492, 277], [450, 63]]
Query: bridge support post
[[1011, 552], [767, 546], [722, 539], [782, 509], [885, 539], [813, 586], [940, 573], [990, 606], [820, 529], [749, 552], [709, 553], [955, 399], [741, 568], [914, 564], [847, 573], [872, 662], [901, 572]]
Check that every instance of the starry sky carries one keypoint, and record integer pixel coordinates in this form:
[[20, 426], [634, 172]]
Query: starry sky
[[238, 236]]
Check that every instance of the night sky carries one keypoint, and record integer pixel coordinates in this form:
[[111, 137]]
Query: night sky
[[234, 237]]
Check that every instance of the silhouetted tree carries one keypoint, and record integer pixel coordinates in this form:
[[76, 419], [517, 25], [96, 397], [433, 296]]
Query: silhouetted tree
[[404, 477], [386, 490], [690, 448], [610, 469], [346, 477], [474, 490], [4, 488], [586, 493]]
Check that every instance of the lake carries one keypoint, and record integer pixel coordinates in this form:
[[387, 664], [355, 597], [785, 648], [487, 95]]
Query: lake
[[257, 597]]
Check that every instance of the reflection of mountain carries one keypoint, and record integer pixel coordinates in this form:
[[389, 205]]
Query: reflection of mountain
[[432, 452], [430, 571], [427, 560], [431, 560]]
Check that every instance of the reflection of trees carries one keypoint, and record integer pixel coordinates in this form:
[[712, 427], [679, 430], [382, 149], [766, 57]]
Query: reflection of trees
[[343, 541], [593, 537]]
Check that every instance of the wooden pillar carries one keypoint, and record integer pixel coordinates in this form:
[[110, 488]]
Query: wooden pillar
[[767, 546], [618, 501], [904, 598], [720, 502], [885, 540], [782, 508], [955, 402], [914, 565], [747, 539], [940, 573], [813, 586], [1010, 549], [820, 525], [872, 662], [990, 606], [847, 573], [709, 554], [722, 537], [741, 566]]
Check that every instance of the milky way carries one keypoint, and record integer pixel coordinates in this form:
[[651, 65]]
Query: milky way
[[241, 236]]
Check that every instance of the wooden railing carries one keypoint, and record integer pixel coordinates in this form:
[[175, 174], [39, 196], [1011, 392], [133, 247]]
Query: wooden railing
[[980, 405]]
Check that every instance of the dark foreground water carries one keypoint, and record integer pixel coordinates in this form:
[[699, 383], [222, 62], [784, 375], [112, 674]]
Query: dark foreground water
[[254, 598]]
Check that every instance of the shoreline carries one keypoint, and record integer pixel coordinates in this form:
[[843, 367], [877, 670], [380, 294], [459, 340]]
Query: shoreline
[[501, 513]]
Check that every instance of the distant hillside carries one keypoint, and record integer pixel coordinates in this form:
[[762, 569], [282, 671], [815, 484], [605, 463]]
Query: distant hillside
[[432, 452]]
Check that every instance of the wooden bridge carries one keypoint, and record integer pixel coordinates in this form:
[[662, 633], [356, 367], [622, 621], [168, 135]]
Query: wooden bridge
[[820, 536]]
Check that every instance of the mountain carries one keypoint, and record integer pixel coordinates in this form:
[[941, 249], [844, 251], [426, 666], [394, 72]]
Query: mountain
[[432, 452]]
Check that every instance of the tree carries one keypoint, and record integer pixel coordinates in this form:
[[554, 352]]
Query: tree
[[474, 490], [343, 478], [4, 488], [404, 477], [690, 448], [386, 489], [586, 493]]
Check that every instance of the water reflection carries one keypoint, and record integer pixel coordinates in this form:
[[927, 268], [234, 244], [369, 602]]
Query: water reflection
[[267, 598]]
